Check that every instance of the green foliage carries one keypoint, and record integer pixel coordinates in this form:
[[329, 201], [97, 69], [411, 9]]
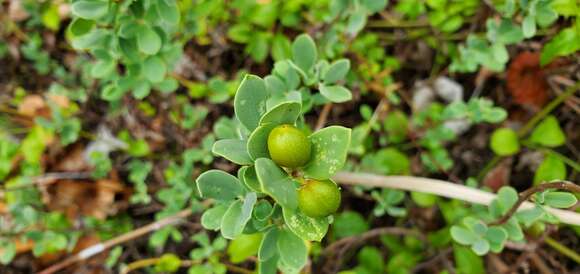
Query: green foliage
[[504, 142], [548, 133], [261, 106]]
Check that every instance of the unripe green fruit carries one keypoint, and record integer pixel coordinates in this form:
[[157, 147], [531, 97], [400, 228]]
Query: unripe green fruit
[[318, 198], [289, 146]]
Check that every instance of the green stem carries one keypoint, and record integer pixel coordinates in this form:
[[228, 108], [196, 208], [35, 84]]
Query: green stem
[[573, 164], [563, 249], [547, 109], [531, 124]]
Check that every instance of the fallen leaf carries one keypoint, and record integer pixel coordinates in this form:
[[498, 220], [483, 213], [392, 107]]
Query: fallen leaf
[[85, 198], [33, 105], [526, 81], [499, 176]]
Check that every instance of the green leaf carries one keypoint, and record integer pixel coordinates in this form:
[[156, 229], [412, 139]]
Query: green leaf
[[560, 199], [284, 113], [148, 41], [529, 26], [480, 247], [552, 168], [506, 32], [276, 183], [496, 236], [154, 69], [292, 249], [507, 197], [168, 263], [337, 71], [141, 90], [329, 150], [504, 142], [250, 101], [219, 185], [513, 229], [463, 236], [304, 53], [168, 11], [244, 246], [80, 26], [258, 141], [564, 43], [424, 200], [335, 93], [112, 93], [467, 262], [90, 9], [281, 47], [374, 5], [372, 259], [307, 228], [548, 133], [237, 216], [269, 266], [234, 150], [240, 33], [248, 173], [349, 223], [356, 21], [396, 125], [7, 251], [268, 247], [212, 218]]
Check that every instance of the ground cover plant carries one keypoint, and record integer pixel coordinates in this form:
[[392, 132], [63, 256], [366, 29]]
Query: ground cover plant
[[267, 136]]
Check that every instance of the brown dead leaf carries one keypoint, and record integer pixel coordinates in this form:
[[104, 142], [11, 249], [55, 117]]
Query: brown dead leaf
[[499, 176], [526, 81], [60, 100], [85, 198], [73, 161], [33, 105]]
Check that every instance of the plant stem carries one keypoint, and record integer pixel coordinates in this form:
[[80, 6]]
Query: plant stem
[[524, 196], [547, 109], [100, 247], [563, 249], [573, 164], [443, 189], [522, 132]]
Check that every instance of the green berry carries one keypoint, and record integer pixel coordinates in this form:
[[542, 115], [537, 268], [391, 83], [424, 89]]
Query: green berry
[[318, 198], [289, 146]]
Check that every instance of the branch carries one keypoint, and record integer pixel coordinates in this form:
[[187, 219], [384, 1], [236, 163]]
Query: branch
[[443, 189], [524, 196], [100, 247]]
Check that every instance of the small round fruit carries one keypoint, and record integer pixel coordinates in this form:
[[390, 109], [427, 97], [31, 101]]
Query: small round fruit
[[318, 198], [289, 146]]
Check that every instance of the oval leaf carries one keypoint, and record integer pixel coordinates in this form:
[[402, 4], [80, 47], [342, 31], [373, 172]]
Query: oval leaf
[[307, 228], [212, 218], [154, 69], [234, 150], [219, 185], [90, 9], [148, 40], [250, 101], [304, 52], [329, 150], [292, 249], [336, 94], [284, 113], [276, 183], [237, 216], [338, 70], [258, 141]]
